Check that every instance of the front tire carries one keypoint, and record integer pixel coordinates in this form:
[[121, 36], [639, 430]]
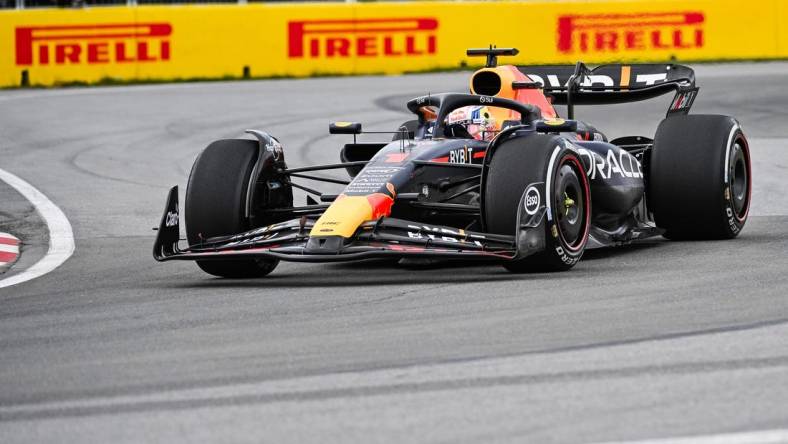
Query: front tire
[[518, 162], [216, 203], [700, 180]]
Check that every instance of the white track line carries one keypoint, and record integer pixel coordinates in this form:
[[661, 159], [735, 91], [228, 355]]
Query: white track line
[[61, 238], [756, 437]]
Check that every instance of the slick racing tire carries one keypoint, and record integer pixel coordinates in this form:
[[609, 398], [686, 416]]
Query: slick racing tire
[[514, 165], [700, 180], [216, 203]]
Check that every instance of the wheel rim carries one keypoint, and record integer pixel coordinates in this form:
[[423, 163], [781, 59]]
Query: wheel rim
[[738, 181], [570, 205]]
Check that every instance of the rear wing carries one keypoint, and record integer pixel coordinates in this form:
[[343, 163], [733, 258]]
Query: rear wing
[[609, 84]]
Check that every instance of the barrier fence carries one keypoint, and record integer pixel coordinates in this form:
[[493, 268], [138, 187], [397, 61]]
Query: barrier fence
[[54, 46]]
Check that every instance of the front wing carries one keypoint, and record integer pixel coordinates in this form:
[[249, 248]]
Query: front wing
[[290, 241]]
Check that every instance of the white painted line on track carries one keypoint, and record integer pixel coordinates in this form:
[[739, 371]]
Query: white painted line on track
[[61, 237], [755, 437]]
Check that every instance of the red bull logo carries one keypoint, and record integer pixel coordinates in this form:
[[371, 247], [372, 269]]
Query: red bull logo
[[630, 32], [384, 37], [93, 44]]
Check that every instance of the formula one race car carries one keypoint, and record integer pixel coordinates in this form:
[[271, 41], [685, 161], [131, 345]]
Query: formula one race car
[[492, 175]]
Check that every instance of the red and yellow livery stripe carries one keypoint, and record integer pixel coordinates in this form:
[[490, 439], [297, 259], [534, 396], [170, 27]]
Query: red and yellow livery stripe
[[347, 213]]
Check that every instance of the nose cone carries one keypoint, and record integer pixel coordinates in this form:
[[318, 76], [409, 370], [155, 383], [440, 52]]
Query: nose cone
[[343, 217], [347, 213]]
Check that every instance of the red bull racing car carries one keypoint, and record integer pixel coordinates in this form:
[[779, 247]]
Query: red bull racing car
[[492, 175]]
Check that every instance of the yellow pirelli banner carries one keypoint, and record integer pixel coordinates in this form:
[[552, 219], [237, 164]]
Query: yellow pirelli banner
[[51, 46]]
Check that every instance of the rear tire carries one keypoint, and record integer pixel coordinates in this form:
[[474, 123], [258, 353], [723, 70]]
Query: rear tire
[[700, 180], [515, 164], [216, 203]]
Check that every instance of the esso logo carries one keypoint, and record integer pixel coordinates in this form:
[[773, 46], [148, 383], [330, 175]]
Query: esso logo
[[532, 200]]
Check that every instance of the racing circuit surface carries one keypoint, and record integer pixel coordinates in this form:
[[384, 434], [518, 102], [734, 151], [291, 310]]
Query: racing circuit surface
[[655, 340]]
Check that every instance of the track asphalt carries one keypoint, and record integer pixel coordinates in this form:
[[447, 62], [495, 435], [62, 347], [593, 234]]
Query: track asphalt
[[654, 340]]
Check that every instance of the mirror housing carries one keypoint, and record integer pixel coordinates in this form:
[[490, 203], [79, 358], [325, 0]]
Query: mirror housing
[[344, 128], [556, 126]]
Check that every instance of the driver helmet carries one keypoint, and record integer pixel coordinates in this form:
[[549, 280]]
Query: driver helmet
[[479, 121]]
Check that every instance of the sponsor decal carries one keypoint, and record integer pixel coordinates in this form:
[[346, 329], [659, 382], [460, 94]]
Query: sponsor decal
[[464, 155], [614, 33], [372, 179], [441, 233], [601, 80], [532, 200], [731, 219], [622, 164], [93, 44], [461, 155], [172, 218], [567, 259], [682, 102], [378, 37], [554, 122]]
